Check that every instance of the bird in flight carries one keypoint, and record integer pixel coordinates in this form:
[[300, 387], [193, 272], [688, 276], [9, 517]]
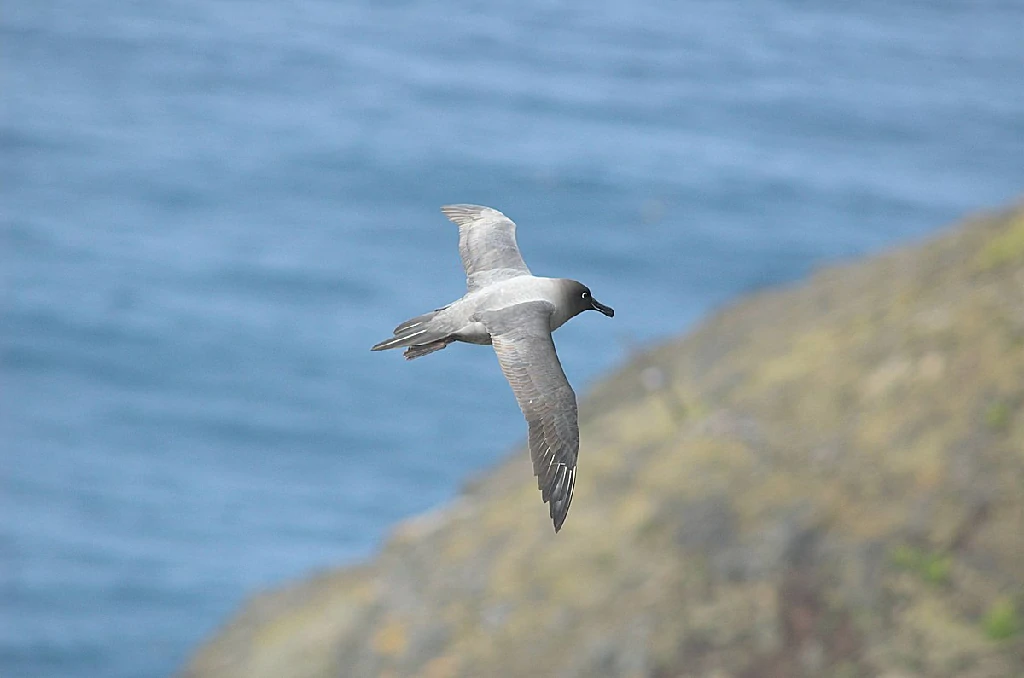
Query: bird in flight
[[515, 311]]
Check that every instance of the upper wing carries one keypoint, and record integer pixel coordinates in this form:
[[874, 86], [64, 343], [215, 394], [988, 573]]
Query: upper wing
[[487, 244], [521, 336]]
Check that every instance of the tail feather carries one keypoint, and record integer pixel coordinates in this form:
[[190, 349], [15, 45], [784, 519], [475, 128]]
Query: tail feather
[[420, 350], [418, 322], [407, 339], [416, 332]]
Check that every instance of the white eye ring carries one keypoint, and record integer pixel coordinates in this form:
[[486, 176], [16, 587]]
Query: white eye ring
[[585, 295]]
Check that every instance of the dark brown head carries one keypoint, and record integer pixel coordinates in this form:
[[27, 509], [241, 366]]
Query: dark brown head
[[580, 300]]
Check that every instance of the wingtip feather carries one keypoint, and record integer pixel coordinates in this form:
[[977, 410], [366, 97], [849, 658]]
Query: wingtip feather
[[463, 214], [560, 493]]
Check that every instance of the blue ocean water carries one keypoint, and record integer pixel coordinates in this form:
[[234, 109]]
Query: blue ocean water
[[211, 209]]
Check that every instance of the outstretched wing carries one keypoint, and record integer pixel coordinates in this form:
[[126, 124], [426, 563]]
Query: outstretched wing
[[487, 244], [521, 336]]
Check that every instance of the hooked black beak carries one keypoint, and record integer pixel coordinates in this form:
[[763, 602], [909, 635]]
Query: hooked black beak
[[598, 306]]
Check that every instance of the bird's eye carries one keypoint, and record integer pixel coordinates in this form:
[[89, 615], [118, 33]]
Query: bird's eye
[[586, 295]]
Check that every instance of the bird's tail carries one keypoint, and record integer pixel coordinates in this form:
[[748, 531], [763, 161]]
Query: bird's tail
[[420, 350], [420, 334]]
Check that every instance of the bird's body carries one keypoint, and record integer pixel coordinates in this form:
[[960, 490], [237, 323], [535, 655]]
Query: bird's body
[[516, 312], [459, 319]]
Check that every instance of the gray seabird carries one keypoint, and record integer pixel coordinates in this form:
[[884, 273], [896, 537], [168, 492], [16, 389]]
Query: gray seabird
[[516, 312]]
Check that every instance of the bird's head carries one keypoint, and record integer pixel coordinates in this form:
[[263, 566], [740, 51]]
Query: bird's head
[[582, 300]]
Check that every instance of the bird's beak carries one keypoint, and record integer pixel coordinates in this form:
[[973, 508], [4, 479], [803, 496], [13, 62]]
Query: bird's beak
[[598, 306]]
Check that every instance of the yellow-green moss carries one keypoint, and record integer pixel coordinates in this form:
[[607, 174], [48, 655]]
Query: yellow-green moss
[[997, 416], [931, 567], [1002, 620], [1005, 248]]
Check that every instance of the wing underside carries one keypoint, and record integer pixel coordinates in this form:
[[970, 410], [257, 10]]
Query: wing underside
[[521, 338], [487, 244]]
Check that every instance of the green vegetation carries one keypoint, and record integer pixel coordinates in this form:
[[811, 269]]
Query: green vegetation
[[997, 416], [1006, 248], [931, 567], [1002, 621]]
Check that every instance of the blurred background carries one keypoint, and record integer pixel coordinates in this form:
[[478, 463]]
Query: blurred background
[[211, 210]]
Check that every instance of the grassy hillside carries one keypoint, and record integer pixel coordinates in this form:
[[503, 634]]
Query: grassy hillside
[[820, 480]]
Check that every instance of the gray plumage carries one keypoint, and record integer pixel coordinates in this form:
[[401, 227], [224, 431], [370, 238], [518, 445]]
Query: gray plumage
[[516, 312]]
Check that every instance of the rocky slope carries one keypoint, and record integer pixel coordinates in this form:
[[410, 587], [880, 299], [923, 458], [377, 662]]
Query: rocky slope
[[820, 480]]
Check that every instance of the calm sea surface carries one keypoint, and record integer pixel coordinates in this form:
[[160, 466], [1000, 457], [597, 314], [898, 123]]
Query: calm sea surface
[[211, 210]]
